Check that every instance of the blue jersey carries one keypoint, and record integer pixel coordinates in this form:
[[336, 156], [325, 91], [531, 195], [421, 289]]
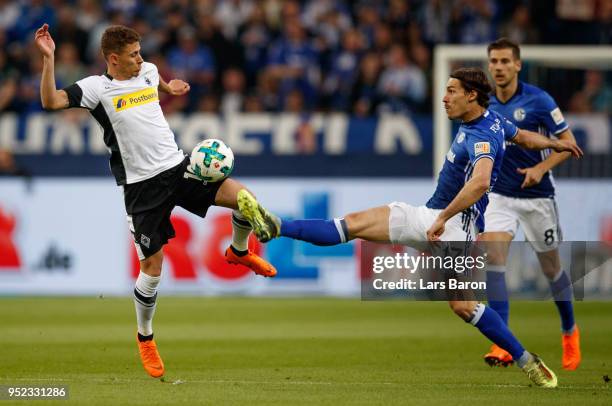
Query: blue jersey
[[530, 108], [483, 137]]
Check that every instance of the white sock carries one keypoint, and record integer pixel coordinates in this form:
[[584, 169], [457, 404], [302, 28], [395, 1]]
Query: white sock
[[145, 300], [524, 359], [477, 314], [240, 231]]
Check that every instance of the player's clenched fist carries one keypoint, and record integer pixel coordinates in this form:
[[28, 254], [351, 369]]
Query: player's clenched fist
[[44, 42], [178, 87]]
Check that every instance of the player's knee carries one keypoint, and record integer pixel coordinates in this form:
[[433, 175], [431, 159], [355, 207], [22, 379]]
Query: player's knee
[[152, 265], [496, 258], [551, 271], [462, 309], [356, 224], [496, 245]]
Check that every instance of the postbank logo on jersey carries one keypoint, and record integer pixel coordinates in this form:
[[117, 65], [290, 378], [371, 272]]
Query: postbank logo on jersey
[[129, 100]]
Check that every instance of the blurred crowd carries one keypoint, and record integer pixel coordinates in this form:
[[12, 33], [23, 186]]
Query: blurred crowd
[[363, 57]]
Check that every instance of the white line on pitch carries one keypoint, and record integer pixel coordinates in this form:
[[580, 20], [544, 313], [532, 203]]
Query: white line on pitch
[[290, 382]]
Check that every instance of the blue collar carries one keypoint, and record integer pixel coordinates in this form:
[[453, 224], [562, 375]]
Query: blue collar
[[519, 90]]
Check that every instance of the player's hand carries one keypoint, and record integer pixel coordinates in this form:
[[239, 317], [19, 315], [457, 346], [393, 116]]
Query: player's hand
[[436, 230], [178, 87], [44, 42], [533, 176], [569, 146]]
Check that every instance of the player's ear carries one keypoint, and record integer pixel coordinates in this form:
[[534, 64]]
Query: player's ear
[[472, 96], [113, 58], [519, 64]]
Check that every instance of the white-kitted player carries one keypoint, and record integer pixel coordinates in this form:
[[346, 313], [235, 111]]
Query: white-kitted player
[[146, 161]]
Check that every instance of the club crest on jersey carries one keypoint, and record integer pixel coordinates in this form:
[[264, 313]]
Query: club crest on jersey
[[460, 137], [144, 240], [147, 81], [482, 148], [138, 98], [519, 114]]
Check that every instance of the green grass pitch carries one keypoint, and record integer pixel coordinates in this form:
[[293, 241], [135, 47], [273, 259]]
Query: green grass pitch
[[291, 351]]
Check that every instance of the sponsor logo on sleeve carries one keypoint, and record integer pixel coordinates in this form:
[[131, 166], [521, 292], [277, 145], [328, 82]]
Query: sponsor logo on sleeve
[[450, 156], [482, 148], [557, 116]]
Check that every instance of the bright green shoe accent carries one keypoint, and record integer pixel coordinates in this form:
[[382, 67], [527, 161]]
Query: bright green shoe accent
[[266, 225], [539, 373]]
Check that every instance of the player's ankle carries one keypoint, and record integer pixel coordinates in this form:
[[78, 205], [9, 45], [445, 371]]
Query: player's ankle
[[143, 338], [237, 252], [525, 359]]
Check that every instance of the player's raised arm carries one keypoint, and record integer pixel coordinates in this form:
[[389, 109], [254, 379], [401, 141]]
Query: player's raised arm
[[175, 87], [471, 192], [566, 143], [51, 98]]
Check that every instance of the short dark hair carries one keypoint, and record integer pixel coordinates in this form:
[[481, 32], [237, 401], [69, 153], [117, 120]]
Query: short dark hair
[[474, 79], [505, 43], [116, 37]]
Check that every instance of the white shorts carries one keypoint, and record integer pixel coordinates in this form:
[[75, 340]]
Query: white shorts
[[408, 225], [539, 219]]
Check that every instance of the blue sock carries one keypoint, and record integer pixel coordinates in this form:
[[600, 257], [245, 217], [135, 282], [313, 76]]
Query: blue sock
[[561, 288], [492, 326], [497, 294], [317, 232]]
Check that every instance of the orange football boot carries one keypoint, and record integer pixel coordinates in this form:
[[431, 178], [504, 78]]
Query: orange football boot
[[497, 356], [571, 350], [151, 361], [252, 261]]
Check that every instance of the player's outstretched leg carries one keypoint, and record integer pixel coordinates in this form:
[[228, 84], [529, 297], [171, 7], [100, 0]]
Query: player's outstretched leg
[[371, 225], [145, 301], [239, 253], [492, 326]]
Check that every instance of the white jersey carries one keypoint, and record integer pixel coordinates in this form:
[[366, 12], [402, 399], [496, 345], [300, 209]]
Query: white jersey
[[136, 132]]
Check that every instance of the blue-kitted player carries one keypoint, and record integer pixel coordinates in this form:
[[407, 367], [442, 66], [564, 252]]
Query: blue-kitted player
[[524, 196], [454, 213]]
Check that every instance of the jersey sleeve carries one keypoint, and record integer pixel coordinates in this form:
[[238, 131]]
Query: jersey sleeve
[[551, 115], [510, 129], [84, 93], [152, 68], [480, 146]]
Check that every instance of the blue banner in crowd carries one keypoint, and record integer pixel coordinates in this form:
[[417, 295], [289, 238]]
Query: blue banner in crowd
[[70, 143]]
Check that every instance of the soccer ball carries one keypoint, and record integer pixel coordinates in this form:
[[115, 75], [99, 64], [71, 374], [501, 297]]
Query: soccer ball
[[211, 160]]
